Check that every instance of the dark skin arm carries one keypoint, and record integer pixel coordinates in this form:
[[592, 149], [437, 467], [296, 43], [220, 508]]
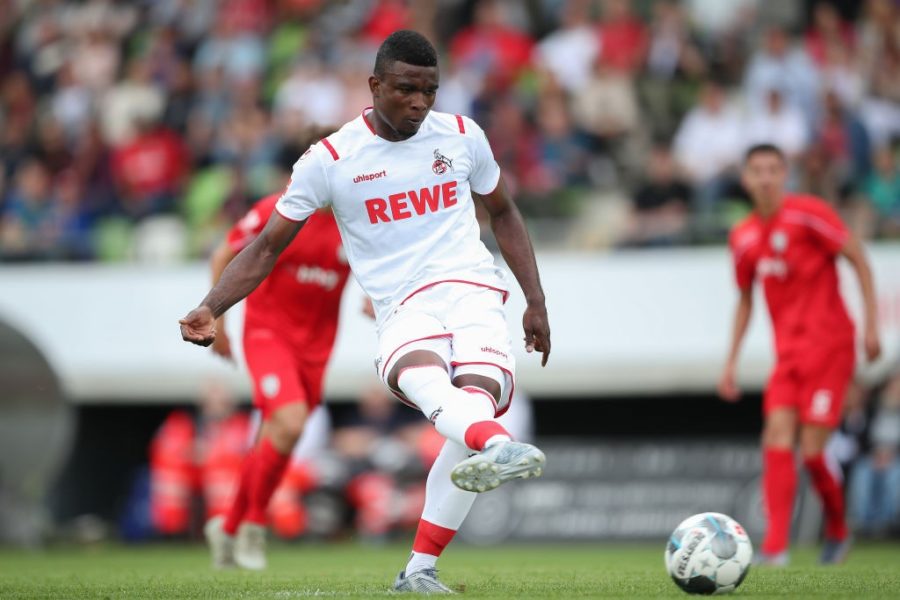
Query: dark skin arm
[[240, 277], [515, 246]]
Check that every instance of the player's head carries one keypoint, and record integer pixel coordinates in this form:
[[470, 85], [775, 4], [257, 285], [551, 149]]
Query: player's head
[[764, 175], [404, 82]]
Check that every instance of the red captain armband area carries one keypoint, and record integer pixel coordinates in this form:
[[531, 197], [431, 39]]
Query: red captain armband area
[[404, 205]]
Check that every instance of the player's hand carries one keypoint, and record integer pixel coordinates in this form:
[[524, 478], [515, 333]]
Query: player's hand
[[222, 345], [199, 326], [872, 344], [728, 389], [537, 330]]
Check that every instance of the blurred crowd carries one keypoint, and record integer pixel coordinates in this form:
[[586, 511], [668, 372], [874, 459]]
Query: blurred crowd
[[141, 129]]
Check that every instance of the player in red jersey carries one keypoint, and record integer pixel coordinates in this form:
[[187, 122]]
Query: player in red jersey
[[790, 243], [290, 323]]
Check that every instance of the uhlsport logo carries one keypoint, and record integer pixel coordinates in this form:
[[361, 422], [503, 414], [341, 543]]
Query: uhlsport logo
[[435, 413], [441, 163]]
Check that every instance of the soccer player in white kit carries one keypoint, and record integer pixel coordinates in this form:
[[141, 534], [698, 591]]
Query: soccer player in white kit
[[400, 179]]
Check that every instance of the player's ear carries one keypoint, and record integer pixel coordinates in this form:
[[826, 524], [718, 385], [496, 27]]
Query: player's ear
[[374, 85]]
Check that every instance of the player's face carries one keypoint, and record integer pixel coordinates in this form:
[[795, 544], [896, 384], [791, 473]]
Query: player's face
[[402, 98], [764, 177]]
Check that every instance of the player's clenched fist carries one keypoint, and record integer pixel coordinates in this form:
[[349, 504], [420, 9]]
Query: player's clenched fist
[[199, 326]]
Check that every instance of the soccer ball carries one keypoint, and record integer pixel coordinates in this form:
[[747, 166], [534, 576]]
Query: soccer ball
[[708, 553]]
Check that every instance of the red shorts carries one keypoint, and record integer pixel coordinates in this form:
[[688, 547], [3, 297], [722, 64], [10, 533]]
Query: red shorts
[[279, 374], [814, 386]]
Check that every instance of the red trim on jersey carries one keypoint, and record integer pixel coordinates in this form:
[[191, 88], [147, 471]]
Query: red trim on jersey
[[462, 126], [366, 121], [404, 344], [512, 381], [284, 216], [503, 293], [331, 149]]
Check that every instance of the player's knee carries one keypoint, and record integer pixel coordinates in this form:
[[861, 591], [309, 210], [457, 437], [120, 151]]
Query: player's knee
[[777, 435], [287, 423], [491, 386], [416, 358]]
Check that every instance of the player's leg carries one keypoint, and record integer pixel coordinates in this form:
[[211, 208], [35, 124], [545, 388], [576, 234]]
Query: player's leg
[[279, 394], [821, 412], [446, 507], [779, 439], [423, 378], [483, 365]]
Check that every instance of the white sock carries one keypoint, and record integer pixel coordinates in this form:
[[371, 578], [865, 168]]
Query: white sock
[[450, 409], [496, 439], [419, 561], [445, 504]]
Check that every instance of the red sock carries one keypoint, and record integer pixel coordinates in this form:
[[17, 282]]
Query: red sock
[[832, 494], [268, 468], [479, 433], [431, 539], [779, 488], [239, 504]]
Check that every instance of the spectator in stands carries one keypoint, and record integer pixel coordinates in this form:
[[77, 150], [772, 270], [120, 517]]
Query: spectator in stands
[[882, 188], [569, 52], [844, 143], [828, 30], [779, 124], [33, 225], [491, 47], [136, 99], [875, 481], [659, 215], [782, 66], [149, 170], [623, 37], [707, 147]]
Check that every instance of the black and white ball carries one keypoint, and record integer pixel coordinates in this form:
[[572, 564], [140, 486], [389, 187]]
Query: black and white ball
[[708, 553]]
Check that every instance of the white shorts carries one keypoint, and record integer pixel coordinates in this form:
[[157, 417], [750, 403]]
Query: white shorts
[[462, 323]]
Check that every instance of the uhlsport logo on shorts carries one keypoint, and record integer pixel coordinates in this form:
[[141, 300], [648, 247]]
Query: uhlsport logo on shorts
[[270, 385]]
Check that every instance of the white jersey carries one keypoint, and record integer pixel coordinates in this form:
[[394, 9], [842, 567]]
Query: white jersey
[[404, 209]]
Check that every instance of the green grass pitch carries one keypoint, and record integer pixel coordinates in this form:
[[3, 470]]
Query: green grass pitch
[[351, 571]]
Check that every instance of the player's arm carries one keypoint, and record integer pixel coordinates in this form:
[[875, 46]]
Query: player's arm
[[239, 278], [221, 257], [515, 245], [854, 253], [728, 388]]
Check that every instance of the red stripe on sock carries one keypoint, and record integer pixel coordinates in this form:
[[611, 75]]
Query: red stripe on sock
[[479, 433], [779, 489], [432, 539], [268, 468], [832, 495]]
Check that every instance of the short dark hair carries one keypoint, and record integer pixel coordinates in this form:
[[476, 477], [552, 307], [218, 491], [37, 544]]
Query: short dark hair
[[764, 149], [406, 46]]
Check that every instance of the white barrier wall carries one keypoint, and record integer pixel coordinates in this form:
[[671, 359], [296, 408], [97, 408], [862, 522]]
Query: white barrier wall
[[625, 323]]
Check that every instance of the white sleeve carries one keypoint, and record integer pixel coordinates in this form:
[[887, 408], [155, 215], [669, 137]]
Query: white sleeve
[[308, 190], [485, 171]]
